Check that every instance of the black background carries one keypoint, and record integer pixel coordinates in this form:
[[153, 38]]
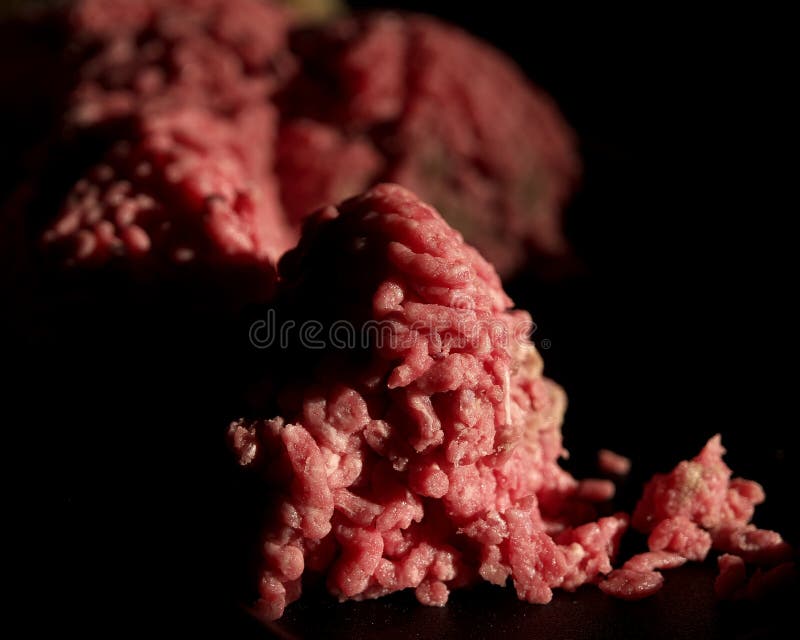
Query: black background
[[677, 324]]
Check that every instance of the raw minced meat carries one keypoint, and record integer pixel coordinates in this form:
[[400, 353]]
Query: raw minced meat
[[613, 463], [680, 535], [754, 545], [699, 496], [639, 577], [370, 98], [627, 584], [159, 158], [697, 507], [764, 583], [701, 490], [154, 54], [426, 459], [412, 100], [425, 456], [184, 189]]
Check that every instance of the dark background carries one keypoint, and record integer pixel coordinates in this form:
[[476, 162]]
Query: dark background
[[676, 325]]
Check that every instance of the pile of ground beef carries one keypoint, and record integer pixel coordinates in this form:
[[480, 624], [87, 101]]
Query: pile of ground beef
[[425, 455], [402, 98], [158, 161], [183, 189], [426, 458], [409, 99]]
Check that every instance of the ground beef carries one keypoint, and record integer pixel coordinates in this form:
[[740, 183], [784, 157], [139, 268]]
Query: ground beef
[[425, 459], [732, 582], [696, 507], [182, 190], [153, 54], [596, 490], [404, 110], [160, 156], [612, 463], [754, 545], [421, 103], [426, 456], [701, 490], [627, 584], [682, 536], [89, 63], [639, 577]]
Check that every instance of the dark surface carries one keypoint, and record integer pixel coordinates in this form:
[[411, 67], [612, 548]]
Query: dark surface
[[675, 326], [685, 608]]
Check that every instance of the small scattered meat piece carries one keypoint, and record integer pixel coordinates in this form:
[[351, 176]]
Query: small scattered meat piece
[[627, 584], [613, 463], [753, 545], [595, 490], [639, 577], [700, 490], [698, 506], [653, 560]]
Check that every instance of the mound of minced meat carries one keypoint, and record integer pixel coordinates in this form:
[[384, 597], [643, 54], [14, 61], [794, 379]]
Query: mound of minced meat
[[159, 162], [424, 458], [411, 100], [185, 188], [424, 455], [364, 99]]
